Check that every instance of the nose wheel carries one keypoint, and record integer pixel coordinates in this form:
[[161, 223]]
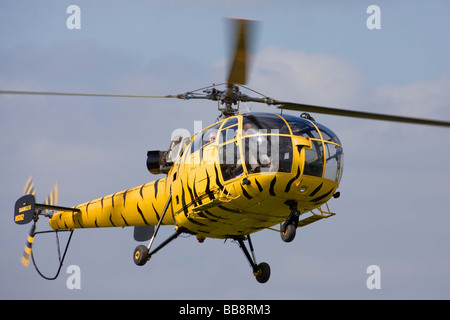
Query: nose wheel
[[289, 232], [289, 227]]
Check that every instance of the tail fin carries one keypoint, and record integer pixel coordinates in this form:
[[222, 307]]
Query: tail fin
[[26, 210]]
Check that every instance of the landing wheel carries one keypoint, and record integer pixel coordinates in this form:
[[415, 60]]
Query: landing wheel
[[289, 233], [263, 272], [140, 255]]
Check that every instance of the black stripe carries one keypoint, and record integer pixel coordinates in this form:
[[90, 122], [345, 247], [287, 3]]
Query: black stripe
[[183, 200], [323, 196], [156, 212], [213, 215], [201, 214], [246, 194], [228, 209], [140, 191], [288, 186], [110, 219], [199, 201], [208, 192], [87, 206], [124, 197], [316, 190], [126, 223], [196, 222], [101, 201], [142, 215], [112, 200], [156, 187], [96, 222], [260, 188], [217, 178], [190, 193], [272, 186], [78, 220]]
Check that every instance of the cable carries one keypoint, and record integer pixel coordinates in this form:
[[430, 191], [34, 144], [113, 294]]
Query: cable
[[59, 256]]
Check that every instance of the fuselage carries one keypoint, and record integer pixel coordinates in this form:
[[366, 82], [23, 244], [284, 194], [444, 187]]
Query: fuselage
[[233, 178]]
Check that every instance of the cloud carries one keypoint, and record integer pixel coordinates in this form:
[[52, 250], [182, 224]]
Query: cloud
[[309, 78]]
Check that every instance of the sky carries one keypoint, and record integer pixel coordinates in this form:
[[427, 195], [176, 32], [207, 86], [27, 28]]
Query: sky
[[392, 212]]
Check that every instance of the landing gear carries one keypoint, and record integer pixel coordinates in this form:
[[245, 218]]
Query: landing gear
[[289, 232], [260, 271], [142, 253], [289, 227], [263, 273]]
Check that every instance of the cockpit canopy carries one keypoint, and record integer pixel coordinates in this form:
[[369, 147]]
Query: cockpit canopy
[[264, 142]]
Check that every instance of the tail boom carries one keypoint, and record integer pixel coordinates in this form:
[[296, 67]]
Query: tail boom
[[139, 206]]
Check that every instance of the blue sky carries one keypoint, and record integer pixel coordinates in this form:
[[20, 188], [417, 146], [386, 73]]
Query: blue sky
[[392, 212]]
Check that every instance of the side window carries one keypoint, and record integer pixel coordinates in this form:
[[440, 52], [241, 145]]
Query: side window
[[209, 135], [230, 161], [314, 159], [197, 142], [333, 169], [229, 130], [204, 138], [229, 156]]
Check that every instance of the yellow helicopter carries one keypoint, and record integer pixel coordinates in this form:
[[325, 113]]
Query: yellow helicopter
[[245, 173]]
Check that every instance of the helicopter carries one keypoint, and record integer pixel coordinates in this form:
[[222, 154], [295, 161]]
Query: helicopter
[[244, 173]]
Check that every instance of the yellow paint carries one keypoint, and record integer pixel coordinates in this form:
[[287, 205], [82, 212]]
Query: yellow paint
[[206, 204]]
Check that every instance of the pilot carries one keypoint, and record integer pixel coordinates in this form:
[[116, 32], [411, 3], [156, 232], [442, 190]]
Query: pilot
[[212, 136], [248, 129]]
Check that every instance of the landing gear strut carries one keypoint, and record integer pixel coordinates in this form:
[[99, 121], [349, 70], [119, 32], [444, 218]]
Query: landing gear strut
[[289, 227], [260, 271], [142, 253]]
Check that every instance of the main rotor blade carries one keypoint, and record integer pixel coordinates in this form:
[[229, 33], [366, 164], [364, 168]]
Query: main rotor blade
[[239, 62], [358, 114], [83, 94]]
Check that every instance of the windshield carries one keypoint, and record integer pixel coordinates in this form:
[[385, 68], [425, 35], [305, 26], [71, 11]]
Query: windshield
[[262, 142], [325, 157], [266, 143]]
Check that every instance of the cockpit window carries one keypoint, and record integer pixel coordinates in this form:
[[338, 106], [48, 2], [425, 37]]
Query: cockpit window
[[314, 159], [267, 153], [263, 123], [334, 162], [302, 127], [325, 157], [327, 134], [263, 142], [229, 130]]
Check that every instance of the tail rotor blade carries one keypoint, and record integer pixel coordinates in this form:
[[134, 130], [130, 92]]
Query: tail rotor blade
[[29, 187], [28, 246], [53, 198]]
